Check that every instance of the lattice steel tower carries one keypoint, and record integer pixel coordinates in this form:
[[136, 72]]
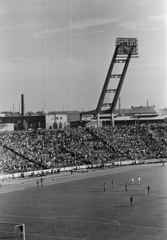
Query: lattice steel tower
[[125, 49]]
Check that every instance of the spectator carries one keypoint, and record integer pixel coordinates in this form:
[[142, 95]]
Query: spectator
[[22, 151]]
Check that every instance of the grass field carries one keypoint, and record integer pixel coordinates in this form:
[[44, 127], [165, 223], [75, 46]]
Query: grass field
[[75, 207]]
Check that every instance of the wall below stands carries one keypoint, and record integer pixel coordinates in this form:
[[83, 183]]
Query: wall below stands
[[79, 168], [6, 127]]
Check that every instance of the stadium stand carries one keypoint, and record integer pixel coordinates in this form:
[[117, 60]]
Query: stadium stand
[[22, 151]]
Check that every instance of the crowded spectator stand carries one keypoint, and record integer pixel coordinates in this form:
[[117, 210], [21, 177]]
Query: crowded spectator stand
[[69, 148]]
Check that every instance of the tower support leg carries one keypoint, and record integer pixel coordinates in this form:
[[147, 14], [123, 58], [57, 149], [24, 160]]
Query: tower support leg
[[112, 119], [98, 117]]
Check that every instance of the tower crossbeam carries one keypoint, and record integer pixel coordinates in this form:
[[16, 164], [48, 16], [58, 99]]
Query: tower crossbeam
[[125, 49]]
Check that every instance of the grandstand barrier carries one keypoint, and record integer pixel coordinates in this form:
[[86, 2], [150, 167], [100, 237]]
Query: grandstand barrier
[[80, 168]]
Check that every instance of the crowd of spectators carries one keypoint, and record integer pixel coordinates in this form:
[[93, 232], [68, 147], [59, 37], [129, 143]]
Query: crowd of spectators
[[22, 151], [135, 142]]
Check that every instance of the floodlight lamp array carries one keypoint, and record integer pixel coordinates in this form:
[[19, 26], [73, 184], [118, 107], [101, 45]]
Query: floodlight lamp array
[[126, 46]]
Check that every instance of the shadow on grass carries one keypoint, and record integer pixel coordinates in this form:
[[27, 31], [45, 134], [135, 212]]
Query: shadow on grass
[[139, 194], [127, 206], [118, 191], [107, 190], [98, 191], [7, 238]]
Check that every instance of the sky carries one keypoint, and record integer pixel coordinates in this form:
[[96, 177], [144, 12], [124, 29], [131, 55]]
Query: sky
[[57, 52]]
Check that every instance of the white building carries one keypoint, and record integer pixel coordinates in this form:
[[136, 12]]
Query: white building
[[6, 127], [56, 121]]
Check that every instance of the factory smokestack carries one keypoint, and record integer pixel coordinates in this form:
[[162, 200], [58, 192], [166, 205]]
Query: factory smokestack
[[22, 104]]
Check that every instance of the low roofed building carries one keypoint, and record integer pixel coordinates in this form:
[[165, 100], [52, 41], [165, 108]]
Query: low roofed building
[[144, 111]]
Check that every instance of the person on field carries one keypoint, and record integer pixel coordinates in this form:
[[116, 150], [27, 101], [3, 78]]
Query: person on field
[[37, 183], [112, 182], [139, 180], [131, 200], [132, 180], [41, 180], [104, 186], [148, 189], [126, 187]]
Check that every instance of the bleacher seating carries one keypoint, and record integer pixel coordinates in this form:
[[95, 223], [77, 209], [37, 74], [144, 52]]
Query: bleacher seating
[[22, 151]]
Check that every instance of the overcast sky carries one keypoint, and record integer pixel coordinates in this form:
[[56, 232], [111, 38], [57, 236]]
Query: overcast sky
[[57, 52]]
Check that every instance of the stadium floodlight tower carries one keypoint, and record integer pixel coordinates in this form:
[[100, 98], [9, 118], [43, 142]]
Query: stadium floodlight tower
[[125, 49]]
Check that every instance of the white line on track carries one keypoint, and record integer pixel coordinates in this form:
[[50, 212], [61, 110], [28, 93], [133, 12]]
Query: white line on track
[[139, 226], [40, 235], [110, 221], [93, 222]]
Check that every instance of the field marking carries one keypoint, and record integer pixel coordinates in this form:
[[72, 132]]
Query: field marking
[[41, 235], [67, 218], [139, 226], [94, 222]]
